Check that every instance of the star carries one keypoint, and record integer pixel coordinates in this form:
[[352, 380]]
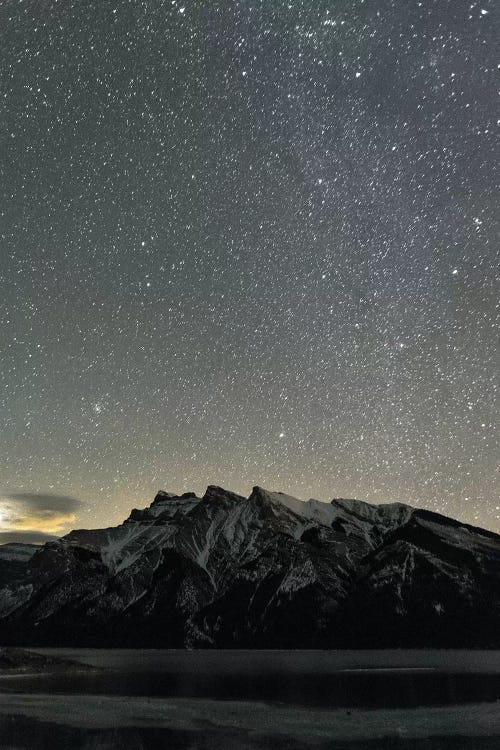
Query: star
[[236, 237]]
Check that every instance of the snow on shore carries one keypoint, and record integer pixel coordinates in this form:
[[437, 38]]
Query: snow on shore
[[256, 718]]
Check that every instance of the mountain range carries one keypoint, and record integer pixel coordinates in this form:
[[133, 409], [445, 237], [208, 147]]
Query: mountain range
[[267, 571]]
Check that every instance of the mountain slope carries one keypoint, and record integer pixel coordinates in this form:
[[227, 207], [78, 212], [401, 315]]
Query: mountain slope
[[267, 571]]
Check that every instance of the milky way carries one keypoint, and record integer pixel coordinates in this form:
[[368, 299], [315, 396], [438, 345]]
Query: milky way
[[250, 242]]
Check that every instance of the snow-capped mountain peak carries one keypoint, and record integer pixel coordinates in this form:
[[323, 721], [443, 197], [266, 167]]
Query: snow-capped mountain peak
[[268, 570]]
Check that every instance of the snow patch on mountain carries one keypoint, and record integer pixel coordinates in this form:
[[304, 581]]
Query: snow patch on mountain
[[12, 598], [268, 570]]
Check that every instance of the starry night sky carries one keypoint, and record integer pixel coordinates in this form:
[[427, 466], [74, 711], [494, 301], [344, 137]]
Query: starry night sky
[[247, 242]]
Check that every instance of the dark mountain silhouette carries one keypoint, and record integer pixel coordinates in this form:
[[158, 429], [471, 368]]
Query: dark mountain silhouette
[[267, 571]]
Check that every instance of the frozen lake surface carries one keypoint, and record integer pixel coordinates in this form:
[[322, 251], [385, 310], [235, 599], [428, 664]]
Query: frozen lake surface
[[257, 699]]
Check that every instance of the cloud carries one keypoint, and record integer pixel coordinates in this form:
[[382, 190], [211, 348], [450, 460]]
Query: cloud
[[37, 513], [41, 501]]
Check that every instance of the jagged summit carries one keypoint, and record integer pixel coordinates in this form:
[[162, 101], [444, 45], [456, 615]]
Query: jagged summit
[[161, 495], [213, 492], [267, 570], [299, 506]]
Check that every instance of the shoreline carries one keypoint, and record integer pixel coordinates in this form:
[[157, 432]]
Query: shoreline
[[89, 712]]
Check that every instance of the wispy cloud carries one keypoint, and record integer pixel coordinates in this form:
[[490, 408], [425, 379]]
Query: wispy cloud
[[33, 515]]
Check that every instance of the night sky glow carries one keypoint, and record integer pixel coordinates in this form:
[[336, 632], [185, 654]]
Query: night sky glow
[[247, 242]]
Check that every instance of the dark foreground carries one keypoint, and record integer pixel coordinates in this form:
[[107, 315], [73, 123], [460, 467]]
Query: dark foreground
[[41, 721], [253, 700], [19, 732]]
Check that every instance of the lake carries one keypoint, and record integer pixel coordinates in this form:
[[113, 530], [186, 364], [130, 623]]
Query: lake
[[204, 700]]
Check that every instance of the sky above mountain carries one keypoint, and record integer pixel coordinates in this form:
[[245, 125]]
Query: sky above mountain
[[247, 242]]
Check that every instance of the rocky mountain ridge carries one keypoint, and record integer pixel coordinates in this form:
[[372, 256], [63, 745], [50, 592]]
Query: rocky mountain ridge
[[267, 571]]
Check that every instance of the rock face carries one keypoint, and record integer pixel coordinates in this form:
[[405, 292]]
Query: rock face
[[14, 585], [14, 559], [267, 571]]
